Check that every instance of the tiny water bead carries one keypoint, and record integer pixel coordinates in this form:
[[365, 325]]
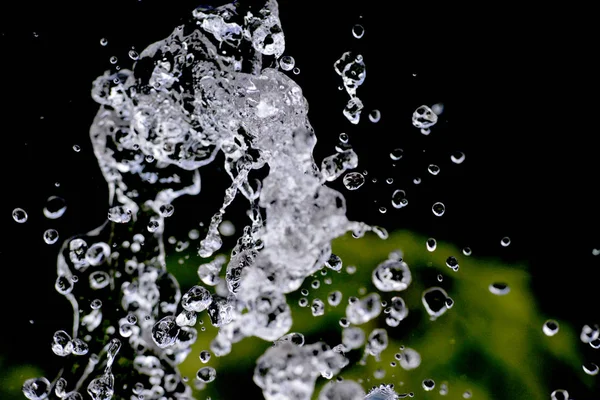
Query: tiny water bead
[[438, 209], [431, 244], [457, 157], [50, 236], [382, 210], [304, 292], [206, 374], [353, 180], [287, 63], [334, 298], [315, 284], [435, 301], [396, 154], [303, 302], [505, 241], [550, 327], [452, 263], [76, 148], [358, 31], [499, 288], [96, 304], [204, 356], [399, 199], [55, 207], [433, 169], [113, 60], [559, 394], [103, 42], [467, 394], [424, 117], [133, 55], [19, 215], [590, 369], [467, 251], [417, 181], [296, 71], [375, 116], [428, 385]]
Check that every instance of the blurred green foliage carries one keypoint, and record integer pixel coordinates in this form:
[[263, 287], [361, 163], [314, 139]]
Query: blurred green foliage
[[492, 346]]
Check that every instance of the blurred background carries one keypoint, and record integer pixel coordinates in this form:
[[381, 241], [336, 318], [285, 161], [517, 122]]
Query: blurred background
[[519, 100]]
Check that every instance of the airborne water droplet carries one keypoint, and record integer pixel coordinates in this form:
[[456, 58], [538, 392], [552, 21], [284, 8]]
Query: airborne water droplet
[[438, 209], [113, 60], [353, 180], [50, 236], [358, 31], [467, 251], [19, 215], [76, 148], [318, 307], [375, 116], [433, 169], [36, 388], [457, 157], [399, 199], [424, 117], [55, 207], [590, 369], [559, 394], [287, 63], [133, 55], [434, 300], [550, 327], [204, 356], [206, 374], [505, 241], [499, 288], [428, 385], [431, 244], [396, 154], [452, 263], [103, 42]]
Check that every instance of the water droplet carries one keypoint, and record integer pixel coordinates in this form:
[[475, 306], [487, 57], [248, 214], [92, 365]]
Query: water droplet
[[440, 277], [113, 60], [55, 207], [76, 148], [96, 304], [505, 241], [467, 251], [353, 338], [438, 209], [344, 137], [334, 263], [589, 334], [590, 369], [353, 180], [467, 394], [197, 299], [119, 214], [399, 199], [398, 309], [409, 359], [204, 356], [391, 275], [103, 42], [457, 157], [206, 374], [428, 385], [358, 31], [62, 344], [375, 116], [227, 228], [452, 263], [303, 302], [431, 244], [318, 307], [363, 310], [296, 71], [19, 215], [499, 288], [50, 236], [36, 388], [396, 154], [153, 225], [382, 210], [334, 298], [424, 117], [133, 55], [80, 347], [165, 331], [166, 210], [550, 327], [559, 394], [417, 181], [444, 389], [434, 300], [287, 63], [433, 169], [315, 284]]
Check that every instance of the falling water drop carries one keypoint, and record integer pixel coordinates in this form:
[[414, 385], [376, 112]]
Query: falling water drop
[[590, 369], [399, 199], [204, 356], [206, 374], [457, 157], [550, 327], [103, 42], [428, 385], [559, 394], [431, 244], [353, 180], [36, 388], [19, 215], [499, 288], [358, 31], [396, 154], [55, 207], [287, 63], [433, 169], [505, 241], [438, 209], [50, 236], [375, 116], [133, 55]]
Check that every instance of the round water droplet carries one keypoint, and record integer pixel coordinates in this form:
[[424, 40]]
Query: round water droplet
[[391, 275], [19, 215], [153, 225], [317, 307], [590, 368], [438, 209], [287, 63], [204, 356], [396, 154], [166, 210], [353, 180], [133, 55], [36, 388], [76, 148], [358, 31], [550, 327], [467, 394], [315, 284], [227, 228], [304, 292], [303, 302], [428, 385], [499, 288], [375, 116], [434, 300], [334, 298], [96, 304], [559, 394], [505, 241], [334, 262], [50, 236], [433, 169], [55, 207], [409, 359], [206, 374], [452, 263], [113, 60], [103, 42], [458, 157], [344, 137], [399, 199], [417, 181], [467, 251], [382, 210], [431, 244], [296, 71]]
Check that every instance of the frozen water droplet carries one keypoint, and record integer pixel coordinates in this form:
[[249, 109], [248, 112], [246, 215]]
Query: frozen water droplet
[[318, 307], [396, 154], [51, 236], [434, 300], [358, 31], [206, 374], [391, 275], [590, 369], [428, 385], [334, 298], [375, 116], [424, 117], [550, 327], [399, 199], [457, 157], [433, 169], [438, 209], [19, 215], [133, 55], [353, 180], [36, 388], [287, 63], [499, 288], [76, 148], [55, 207], [204, 356], [505, 241], [431, 244], [119, 214], [559, 394], [452, 263]]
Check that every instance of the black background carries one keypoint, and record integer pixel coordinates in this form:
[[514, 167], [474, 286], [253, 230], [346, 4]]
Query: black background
[[520, 95]]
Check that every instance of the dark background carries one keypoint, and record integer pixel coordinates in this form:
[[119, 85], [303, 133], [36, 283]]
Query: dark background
[[520, 101]]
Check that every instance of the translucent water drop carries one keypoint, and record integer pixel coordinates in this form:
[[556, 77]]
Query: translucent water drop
[[344, 137], [334, 263], [317, 307], [304, 292], [434, 300], [589, 334], [294, 338], [457, 157], [428, 385], [36, 388], [433, 169], [303, 302], [375, 116], [505, 241], [102, 388], [19, 215], [96, 304], [438, 209], [379, 373], [76, 148], [358, 31], [396, 154], [133, 55], [424, 117], [51, 236], [391, 275], [417, 181], [382, 210], [99, 280], [334, 298], [550, 327], [440, 277], [431, 244], [166, 210], [590, 369], [55, 207], [227, 228], [315, 284], [196, 299], [467, 251], [409, 359], [165, 331], [119, 214], [467, 394], [342, 390], [287, 63], [344, 323], [103, 42], [364, 310], [153, 225], [499, 288], [296, 71], [60, 387], [351, 269], [398, 309], [206, 374], [452, 263], [399, 199], [559, 394], [204, 356], [113, 60], [353, 338], [353, 180], [61, 343], [97, 253], [443, 389], [80, 347]]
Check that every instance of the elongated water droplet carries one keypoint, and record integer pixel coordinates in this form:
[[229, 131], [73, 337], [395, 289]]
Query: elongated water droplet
[[499, 288], [428, 385], [358, 31]]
